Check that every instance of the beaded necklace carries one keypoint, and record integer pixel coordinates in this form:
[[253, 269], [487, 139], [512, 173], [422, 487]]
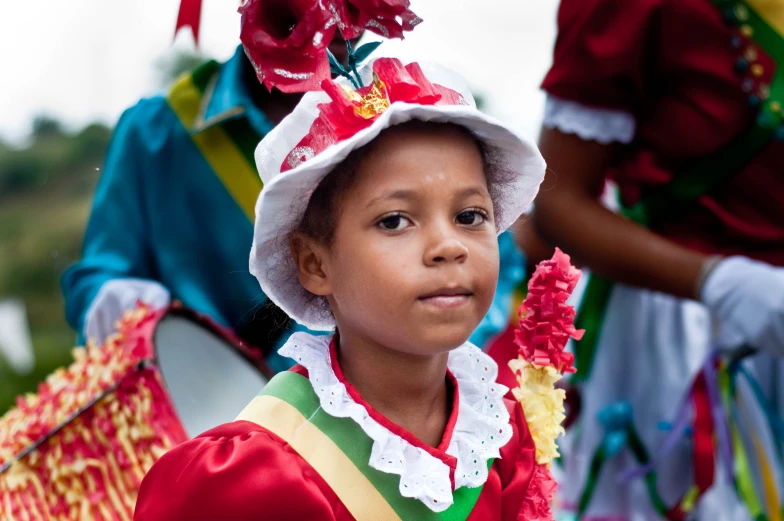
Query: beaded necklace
[[759, 25]]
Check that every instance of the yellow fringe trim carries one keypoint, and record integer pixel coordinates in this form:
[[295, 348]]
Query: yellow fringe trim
[[91, 469], [542, 404]]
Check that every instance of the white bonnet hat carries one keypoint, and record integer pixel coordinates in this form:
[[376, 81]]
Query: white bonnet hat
[[326, 126]]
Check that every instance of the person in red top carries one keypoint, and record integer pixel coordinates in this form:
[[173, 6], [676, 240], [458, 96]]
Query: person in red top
[[379, 218], [678, 103]]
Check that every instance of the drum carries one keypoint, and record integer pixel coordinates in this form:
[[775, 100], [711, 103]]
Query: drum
[[80, 447], [209, 373]]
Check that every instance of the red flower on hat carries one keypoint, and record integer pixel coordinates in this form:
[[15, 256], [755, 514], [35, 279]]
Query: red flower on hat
[[546, 320], [389, 18], [351, 111], [286, 41]]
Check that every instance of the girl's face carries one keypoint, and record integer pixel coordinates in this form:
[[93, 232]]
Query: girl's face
[[414, 261]]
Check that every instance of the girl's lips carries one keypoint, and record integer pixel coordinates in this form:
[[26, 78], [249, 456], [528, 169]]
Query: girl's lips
[[445, 301], [447, 297]]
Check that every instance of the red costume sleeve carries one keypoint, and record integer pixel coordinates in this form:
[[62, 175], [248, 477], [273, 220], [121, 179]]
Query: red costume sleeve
[[602, 53], [519, 473], [237, 472]]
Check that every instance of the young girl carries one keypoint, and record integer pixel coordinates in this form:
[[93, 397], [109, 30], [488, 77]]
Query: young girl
[[379, 220]]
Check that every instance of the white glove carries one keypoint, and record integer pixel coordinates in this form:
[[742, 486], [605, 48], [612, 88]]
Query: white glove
[[115, 298], [748, 297]]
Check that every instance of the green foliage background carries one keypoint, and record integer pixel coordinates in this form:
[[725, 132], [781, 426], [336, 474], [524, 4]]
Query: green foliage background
[[45, 194], [46, 190]]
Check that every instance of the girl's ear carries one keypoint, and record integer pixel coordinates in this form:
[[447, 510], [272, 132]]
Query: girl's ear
[[311, 260]]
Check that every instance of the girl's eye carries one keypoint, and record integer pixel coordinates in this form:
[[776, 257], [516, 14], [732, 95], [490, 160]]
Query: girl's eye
[[471, 218], [394, 223]]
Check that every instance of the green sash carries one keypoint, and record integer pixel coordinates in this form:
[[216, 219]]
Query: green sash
[[339, 450], [228, 145]]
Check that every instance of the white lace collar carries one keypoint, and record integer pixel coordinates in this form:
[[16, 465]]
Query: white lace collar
[[481, 429]]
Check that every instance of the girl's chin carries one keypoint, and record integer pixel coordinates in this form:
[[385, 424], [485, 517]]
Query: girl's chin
[[438, 340]]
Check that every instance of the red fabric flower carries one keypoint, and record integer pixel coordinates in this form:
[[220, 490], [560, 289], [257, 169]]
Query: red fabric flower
[[389, 18], [546, 320], [347, 18], [286, 41], [352, 111], [538, 496]]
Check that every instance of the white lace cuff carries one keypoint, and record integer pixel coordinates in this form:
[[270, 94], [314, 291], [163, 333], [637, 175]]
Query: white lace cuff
[[589, 123]]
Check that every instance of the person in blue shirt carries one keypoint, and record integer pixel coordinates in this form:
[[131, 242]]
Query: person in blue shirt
[[172, 216]]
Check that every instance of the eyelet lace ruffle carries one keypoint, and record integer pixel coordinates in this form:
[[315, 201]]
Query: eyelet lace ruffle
[[589, 123], [481, 429]]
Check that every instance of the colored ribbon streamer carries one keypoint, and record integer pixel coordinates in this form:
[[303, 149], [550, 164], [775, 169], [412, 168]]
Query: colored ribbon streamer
[[714, 394], [719, 416], [713, 398], [620, 434], [745, 484], [774, 420], [680, 424], [703, 450], [189, 16], [707, 383]]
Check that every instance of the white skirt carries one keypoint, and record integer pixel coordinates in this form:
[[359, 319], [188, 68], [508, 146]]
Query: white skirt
[[649, 351]]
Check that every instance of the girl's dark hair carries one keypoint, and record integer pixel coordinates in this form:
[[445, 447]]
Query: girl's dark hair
[[322, 212]]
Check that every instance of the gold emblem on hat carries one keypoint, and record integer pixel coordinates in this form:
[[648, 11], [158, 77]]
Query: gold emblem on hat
[[373, 103]]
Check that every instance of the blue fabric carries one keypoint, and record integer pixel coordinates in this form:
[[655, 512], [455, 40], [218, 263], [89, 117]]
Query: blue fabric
[[231, 93], [511, 273], [160, 212]]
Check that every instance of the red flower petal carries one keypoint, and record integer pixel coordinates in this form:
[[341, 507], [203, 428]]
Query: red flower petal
[[338, 119], [389, 18], [547, 321], [285, 41], [347, 18]]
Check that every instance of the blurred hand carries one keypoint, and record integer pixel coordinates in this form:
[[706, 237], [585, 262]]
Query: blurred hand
[[748, 297], [115, 298]]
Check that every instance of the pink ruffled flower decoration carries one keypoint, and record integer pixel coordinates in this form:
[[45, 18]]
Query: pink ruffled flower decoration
[[539, 496], [350, 111], [546, 320], [546, 325]]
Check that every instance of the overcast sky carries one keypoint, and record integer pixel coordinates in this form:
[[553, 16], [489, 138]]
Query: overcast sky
[[86, 60]]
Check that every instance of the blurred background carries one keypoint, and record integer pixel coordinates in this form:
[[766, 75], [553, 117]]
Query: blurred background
[[71, 68]]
